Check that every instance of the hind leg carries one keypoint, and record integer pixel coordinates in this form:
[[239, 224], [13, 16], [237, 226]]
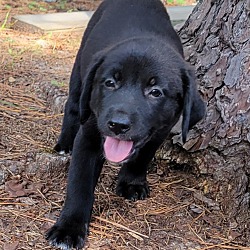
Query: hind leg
[[71, 120]]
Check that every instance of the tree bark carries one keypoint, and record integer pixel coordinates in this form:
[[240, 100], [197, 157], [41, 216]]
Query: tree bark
[[216, 42]]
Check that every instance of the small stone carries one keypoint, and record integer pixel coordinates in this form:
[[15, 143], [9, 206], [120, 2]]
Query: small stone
[[12, 79], [196, 209]]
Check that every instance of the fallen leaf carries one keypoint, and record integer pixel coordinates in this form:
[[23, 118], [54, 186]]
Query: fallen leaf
[[15, 188], [208, 220], [11, 246], [233, 235], [209, 202]]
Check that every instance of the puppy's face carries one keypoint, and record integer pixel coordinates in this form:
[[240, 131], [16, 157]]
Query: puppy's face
[[134, 95]]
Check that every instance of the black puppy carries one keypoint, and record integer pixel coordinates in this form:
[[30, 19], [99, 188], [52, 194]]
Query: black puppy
[[128, 88]]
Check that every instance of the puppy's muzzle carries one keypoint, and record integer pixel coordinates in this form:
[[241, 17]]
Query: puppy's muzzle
[[119, 124], [118, 127]]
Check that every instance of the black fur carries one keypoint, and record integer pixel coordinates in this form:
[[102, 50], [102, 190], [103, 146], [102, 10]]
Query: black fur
[[130, 82]]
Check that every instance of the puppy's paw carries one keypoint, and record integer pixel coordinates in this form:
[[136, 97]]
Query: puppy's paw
[[133, 192], [63, 148], [66, 237]]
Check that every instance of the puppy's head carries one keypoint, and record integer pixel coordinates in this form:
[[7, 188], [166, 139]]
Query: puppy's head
[[137, 90]]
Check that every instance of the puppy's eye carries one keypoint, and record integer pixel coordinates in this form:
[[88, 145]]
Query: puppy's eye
[[109, 84], [155, 93]]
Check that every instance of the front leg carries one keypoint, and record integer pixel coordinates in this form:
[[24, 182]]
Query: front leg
[[132, 178], [71, 228]]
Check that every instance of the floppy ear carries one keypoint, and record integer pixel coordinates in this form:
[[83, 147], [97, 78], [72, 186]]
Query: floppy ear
[[87, 89], [194, 107]]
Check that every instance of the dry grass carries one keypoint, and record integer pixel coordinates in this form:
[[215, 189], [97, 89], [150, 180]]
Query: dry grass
[[31, 68]]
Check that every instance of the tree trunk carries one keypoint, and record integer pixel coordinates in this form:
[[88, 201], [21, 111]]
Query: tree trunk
[[216, 42]]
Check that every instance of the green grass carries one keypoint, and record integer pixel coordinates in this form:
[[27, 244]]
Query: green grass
[[36, 6], [9, 104], [7, 6], [178, 2], [57, 84], [3, 26], [61, 4], [181, 2]]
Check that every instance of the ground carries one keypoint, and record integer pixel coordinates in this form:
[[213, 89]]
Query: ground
[[34, 71]]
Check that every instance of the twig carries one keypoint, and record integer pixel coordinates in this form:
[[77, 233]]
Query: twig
[[120, 226]]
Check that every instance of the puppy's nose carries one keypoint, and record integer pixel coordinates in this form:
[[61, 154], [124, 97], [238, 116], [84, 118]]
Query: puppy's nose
[[119, 127]]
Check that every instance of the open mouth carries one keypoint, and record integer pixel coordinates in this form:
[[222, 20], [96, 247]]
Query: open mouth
[[117, 150]]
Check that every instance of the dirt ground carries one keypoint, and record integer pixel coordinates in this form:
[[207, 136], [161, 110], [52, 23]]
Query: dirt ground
[[34, 72]]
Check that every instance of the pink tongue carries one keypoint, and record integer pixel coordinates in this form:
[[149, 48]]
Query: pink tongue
[[117, 150]]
